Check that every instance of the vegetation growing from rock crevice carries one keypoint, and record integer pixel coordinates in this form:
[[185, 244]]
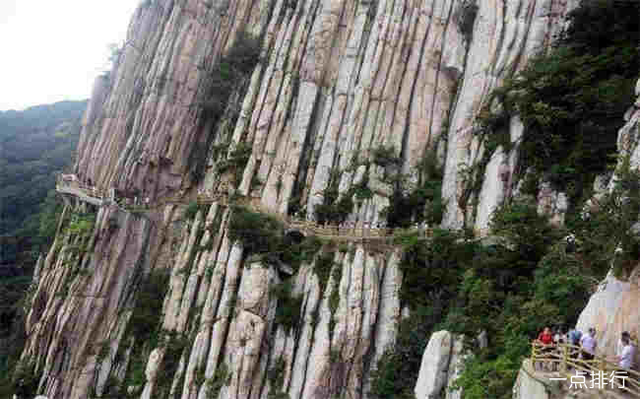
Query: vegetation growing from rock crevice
[[144, 328], [334, 208], [236, 161], [289, 309], [386, 156], [144, 323], [610, 223], [276, 379], [571, 99], [322, 268], [420, 202], [174, 347], [264, 235], [258, 233], [228, 80], [334, 298], [221, 378]]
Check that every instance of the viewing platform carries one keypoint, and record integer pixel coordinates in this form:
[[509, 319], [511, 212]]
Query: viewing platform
[[69, 184], [560, 365]]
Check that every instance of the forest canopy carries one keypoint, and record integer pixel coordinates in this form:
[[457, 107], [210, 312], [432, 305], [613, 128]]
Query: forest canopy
[[34, 145]]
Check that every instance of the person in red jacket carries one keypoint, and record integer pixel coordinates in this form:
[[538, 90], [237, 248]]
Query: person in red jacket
[[546, 338]]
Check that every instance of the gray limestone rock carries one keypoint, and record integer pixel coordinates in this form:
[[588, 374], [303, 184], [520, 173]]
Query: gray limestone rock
[[435, 366]]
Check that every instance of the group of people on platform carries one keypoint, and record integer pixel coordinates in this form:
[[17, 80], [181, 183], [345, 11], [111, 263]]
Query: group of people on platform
[[587, 342]]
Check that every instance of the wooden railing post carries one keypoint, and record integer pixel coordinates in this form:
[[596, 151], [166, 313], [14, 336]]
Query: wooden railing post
[[563, 365]]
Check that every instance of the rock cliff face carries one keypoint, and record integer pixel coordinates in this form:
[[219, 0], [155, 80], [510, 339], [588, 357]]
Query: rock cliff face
[[613, 308], [338, 82]]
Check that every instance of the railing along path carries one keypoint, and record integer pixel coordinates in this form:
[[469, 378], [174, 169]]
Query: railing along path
[[69, 184], [565, 359]]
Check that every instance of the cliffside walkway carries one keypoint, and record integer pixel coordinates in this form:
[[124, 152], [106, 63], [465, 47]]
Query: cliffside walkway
[[69, 184], [562, 363]]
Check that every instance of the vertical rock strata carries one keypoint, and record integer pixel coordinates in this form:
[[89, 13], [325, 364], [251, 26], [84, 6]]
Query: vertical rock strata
[[336, 81]]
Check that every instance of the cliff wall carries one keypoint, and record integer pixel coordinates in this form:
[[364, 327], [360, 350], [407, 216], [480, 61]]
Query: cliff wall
[[338, 82]]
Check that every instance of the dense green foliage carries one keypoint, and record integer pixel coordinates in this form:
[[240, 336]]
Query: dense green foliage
[[386, 156], [34, 144], [508, 287], [414, 203], [609, 223], [572, 99], [289, 308], [233, 67], [259, 233], [13, 336], [144, 323], [264, 235]]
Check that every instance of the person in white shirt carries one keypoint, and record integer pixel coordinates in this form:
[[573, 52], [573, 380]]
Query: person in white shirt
[[625, 359], [588, 344]]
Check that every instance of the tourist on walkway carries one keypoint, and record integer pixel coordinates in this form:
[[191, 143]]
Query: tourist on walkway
[[625, 358], [546, 338], [573, 339], [588, 344]]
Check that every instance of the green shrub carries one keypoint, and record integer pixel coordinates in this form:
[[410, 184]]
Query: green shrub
[[235, 66], [609, 226], [434, 267], [332, 209], [386, 156], [276, 378], [294, 253], [289, 309], [236, 161], [146, 317], [485, 378], [174, 348], [191, 211], [258, 233], [422, 202], [334, 298], [322, 268], [531, 233], [81, 224], [395, 374]]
